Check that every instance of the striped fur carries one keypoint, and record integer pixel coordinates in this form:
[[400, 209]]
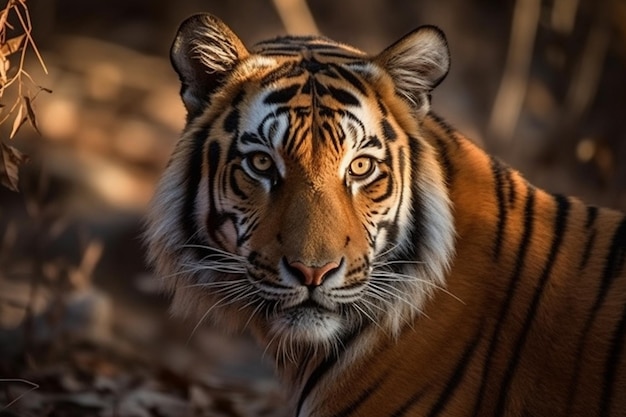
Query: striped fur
[[389, 265]]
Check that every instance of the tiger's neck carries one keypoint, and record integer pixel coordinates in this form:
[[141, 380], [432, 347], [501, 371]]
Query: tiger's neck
[[496, 212]]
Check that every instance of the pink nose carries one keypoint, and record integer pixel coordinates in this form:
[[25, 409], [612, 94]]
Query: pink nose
[[313, 276]]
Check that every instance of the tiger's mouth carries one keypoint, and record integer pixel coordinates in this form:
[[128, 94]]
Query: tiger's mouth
[[310, 305], [307, 322]]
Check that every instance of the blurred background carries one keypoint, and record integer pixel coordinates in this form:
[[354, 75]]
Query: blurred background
[[83, 330]]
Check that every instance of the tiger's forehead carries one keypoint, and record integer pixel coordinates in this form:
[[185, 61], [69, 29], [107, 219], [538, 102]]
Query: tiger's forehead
[[321, 101], [308, 93], [281, 60], [315, 46], [308, 73]]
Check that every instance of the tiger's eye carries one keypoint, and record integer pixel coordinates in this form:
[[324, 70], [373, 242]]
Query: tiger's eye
[[361, 166], [261, 163]]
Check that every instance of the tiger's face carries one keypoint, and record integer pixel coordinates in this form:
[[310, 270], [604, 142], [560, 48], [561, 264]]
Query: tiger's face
[[301, 201], [308, 191]]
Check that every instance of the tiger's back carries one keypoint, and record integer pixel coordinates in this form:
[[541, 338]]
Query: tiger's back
[[388, 264]]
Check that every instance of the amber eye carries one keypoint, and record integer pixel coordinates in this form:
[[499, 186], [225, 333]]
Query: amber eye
[[261, 163], [362, 167]]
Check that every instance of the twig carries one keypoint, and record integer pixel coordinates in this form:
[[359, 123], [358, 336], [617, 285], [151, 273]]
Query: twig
[[584, 83], [22, 381], [510, 97], [27, 30], [296, 17]]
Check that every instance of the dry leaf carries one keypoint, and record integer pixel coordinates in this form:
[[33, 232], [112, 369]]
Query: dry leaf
[[10, 161], [4, 66], [12, 45], [31, 114], [3, 17], [18, 122]]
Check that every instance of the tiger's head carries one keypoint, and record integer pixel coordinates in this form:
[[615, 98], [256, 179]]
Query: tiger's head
[[302, 200]]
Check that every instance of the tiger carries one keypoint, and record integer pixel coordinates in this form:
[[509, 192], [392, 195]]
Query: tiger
[[384, 262]]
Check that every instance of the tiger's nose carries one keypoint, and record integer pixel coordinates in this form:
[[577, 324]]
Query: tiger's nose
[[312, 276]]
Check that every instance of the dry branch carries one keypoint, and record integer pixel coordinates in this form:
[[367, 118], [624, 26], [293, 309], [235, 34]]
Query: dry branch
[[513, 86], [14, 77], [296, 17]]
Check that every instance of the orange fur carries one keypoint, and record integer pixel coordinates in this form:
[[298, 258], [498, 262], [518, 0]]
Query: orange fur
[[455, 288]]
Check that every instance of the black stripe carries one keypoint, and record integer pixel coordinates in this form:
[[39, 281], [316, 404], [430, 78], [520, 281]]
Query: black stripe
[[251, 138], [388, 131], [278, 47], [324, 367], [592, 215], [313, 66], [336, 137], [283, 95], [371, 141], [353, 406], [388, 191], [234, 186], [321, 90], [444, 158], [457, 376], [616, 256], [591, 240], [351, 78], [280, 41], [307, 86], [214, 219], [611, 367], [450, 132], [294, 141], [401, 411], [381, 106], [563, 207], [269, 118], [512, 192], [244, 235], [498, 171], [413, 251], [315, 377], [613, 267], [512, 289], [192, 181], [288, 70], [353, 58], [344, 97], [323, 127], [310, 44], [231, 122], [280, 53], [392, 226], [618, 245]]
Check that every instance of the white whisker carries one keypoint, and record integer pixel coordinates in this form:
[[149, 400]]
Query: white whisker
[[390, 276], [217, 284], [390, 290], [387, 251], [366, 314], [376, 264], [256, 310]]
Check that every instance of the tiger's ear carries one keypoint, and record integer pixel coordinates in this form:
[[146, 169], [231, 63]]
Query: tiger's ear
[[417, 63], [203, 53]]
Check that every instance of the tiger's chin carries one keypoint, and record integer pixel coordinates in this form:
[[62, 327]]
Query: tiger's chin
[[305, 327]]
